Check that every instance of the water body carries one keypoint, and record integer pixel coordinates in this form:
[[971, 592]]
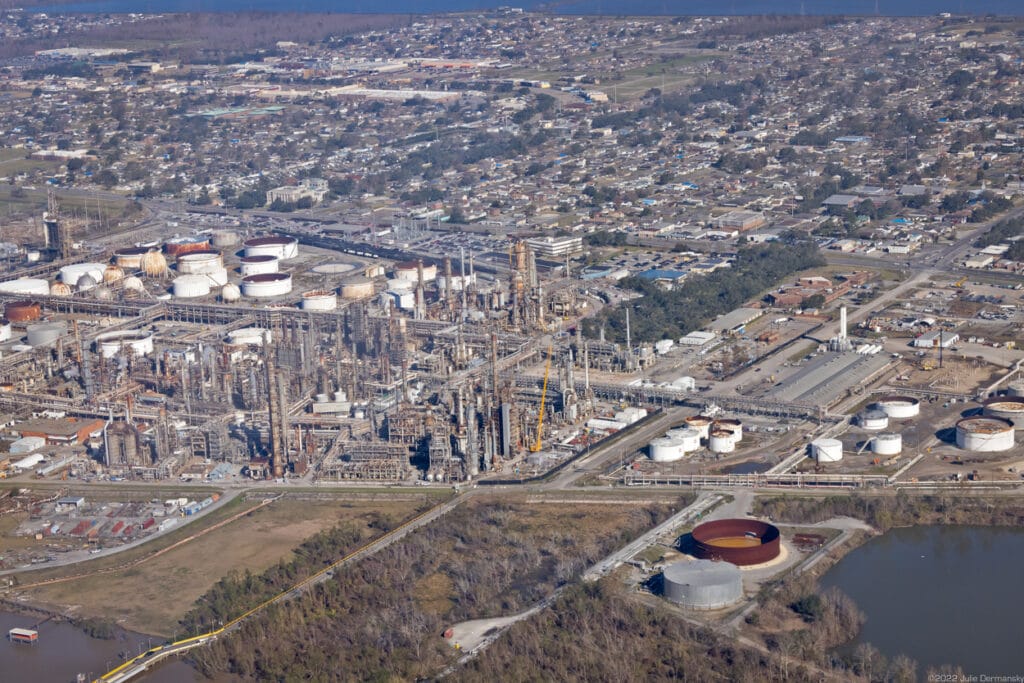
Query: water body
[[940, 595], [64, 651], [612, 7]]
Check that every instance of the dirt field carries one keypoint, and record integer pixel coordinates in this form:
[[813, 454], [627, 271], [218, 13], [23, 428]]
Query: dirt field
[[151, 597]]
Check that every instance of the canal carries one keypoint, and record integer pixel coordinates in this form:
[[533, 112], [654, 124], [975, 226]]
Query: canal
[[940, 595]]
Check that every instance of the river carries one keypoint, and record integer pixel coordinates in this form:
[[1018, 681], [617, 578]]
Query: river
[[940, 595], [64, 651]]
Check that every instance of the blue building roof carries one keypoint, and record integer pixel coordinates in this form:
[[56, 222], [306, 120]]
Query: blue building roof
[[658, 274]]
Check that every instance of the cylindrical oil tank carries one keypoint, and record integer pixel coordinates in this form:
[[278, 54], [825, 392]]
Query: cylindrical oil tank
[[1015, 389], [5, 330], [827, 450], [26, 285], [743, 542], [190, 286], [459, 282], [735, 427], [183, 245], [690, 438], [703, 584], [267, 285], [218, 276], [46, 334], [136, 342], [200, 262], [22, 311], [272, 245], [396, 285], [873, 419], [319, 300], [358, 288], [665, 449], [230, 293], [60, 289], [984, 434], [71, 274], [898, 407], [112, 274], [410, 270], [1008, 408], [254, 336], [154, 264], [224, 238], [887, 444], [334, 268], [258, 265], [373, 270], [130, 258], [721, 442], [701, 423]]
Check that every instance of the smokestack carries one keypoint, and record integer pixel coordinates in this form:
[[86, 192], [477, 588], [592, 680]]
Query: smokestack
[[842, 323]]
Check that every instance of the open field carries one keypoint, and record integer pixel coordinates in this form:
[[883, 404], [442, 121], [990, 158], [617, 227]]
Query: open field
[[153, 596]]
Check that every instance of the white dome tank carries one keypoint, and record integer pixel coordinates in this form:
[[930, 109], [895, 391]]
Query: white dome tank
[[134, 284], [887, 444], [254, 336], [873, 420], [721, 441], [984, 434], [230, 293], [190, 286], [112, 274], [86, 282], [827, 450], [690, 438]]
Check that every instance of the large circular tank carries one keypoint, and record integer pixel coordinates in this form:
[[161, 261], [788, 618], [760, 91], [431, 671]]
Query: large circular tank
[[898, 407], [190, 286], [26, 285], [130, 258], [735, 427], [45, 334], [153, 264], [334, 268], [319, 300], [254, 336], [873, 419], [139, 343], [5, 330], [73, 273], [358, 288], [22, 311], [230, 293], [690, 438], [183, 245], [703, 584], [665, 449], [743, 542], [272, 245], [395, 285], [1008, 408], [267, 285], [410, 270], [258, 265], [701, 423], [1016, 389], [200, 262], [60, 289], [134, 284], [827, 450], [224, 238], [102, 293], [112, 274], [721, 441], [887, 444], [86, 282], [984, 434]]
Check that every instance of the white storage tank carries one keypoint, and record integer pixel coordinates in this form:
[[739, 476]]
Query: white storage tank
[[702, 423], [735, 427], [703, 584], [358, 288], [200, 262], [898, 407], [258, 265], [410, 270], [1008, 408], [319, 300], [827, 450], [984, 434], [45, 334], [134, 284], [190, 286], [5, 330], [230, 293], [26, 285], [459, 282], [887, 444], [273, 245], [722, 441], [666, 449], [267, 285], [218, 276], [130, 258], [139, 343], [874, 420], [400, 285], [689, 438], [249, 336], [71, 274]]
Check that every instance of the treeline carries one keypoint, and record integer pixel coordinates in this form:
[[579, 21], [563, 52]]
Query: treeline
[[594, 633], [382, 618], [885, 512], [1002, 231], [662, 314]]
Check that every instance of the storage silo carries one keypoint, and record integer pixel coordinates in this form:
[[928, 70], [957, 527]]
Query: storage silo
[[703, 584], [665, 449], [258, 265], [267, 285], [701, 423], [721, 441], [200, 262], [357, 288], [319, 300], [60, 289], [887, 444], [153, 264], [272, 245], [827, 450], [984, 434], [898, 407], [190, 286], [690, 438], [230, 293], [873, 420], [1007, 408], [735, 427]]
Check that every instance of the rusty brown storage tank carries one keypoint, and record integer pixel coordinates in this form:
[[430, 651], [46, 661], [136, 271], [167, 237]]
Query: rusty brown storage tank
[[743, 542], [22, 311]]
